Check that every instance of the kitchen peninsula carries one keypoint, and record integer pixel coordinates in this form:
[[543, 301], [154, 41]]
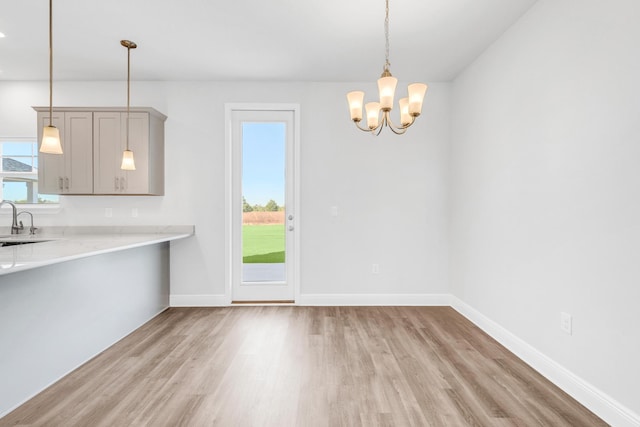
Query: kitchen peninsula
[[59, 244], [74, 293]]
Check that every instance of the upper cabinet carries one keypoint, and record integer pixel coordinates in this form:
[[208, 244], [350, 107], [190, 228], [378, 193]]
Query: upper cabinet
[[93, 152]]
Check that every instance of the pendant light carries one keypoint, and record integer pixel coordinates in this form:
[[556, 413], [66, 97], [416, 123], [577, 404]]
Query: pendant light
[[127, 156], [410, 107], [50, 135]]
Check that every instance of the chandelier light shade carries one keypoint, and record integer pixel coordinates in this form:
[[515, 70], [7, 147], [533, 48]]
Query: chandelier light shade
[[410, 107], [128, 162], [50, 135], [355, 100]]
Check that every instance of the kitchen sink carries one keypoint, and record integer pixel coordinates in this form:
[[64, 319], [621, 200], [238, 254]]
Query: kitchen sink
[[13, 242]]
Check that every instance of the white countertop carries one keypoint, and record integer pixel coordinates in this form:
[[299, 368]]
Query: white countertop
[[59, 244]]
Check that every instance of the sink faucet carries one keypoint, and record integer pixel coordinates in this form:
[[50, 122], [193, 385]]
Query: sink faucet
[[15, 228], [32, 229]]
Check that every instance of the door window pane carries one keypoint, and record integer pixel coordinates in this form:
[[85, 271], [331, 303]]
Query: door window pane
[[263, 191]]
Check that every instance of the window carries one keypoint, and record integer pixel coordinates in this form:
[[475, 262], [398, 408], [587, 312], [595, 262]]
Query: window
[[19, 172]]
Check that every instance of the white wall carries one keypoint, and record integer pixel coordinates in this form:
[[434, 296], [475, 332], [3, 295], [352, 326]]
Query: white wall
[[545, 195], [390, 191], [391, 195]]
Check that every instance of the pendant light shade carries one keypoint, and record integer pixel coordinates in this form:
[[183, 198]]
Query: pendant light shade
[[50, 135], [128, 162], [50, 140]]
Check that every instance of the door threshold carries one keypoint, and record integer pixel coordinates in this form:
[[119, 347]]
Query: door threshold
[[268, 302]]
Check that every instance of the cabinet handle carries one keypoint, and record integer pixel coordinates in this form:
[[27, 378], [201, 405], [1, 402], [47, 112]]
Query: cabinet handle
[[116, 183], [60, 183], [66, 182]]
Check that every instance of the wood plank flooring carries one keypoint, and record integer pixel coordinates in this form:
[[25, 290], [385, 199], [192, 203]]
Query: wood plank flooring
[[304, 366]]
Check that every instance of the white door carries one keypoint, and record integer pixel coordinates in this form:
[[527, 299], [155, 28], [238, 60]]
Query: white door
[[263, 203]]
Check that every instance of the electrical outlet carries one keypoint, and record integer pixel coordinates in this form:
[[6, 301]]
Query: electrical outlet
[[375, 268], [566, 322], [108, 212]]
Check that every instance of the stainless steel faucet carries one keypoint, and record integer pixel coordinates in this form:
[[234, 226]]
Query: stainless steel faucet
[[32, 229], [15, 228]]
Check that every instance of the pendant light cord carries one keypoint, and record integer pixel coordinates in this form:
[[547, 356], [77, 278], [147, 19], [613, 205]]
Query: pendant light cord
[[129, 45], [128, 90], [50, 62]]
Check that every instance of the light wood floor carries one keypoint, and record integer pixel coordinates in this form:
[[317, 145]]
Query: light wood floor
[[304, 366]]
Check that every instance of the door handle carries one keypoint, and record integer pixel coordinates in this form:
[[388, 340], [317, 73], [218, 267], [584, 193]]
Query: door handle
[[291, 228]]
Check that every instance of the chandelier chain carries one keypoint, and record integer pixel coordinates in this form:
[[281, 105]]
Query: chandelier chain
[[386, 36]]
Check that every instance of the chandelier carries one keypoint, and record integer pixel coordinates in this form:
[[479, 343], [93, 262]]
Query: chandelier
[[410, 107]]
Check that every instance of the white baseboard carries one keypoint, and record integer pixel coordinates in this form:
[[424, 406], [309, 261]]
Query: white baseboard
[[374, 299], [598, 402], [322, 299], [198, 301]]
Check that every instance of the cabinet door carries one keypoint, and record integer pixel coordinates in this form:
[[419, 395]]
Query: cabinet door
[[72, 171], [51, 166], [110, 140], [107, 151], [78, 153], [137, 181]]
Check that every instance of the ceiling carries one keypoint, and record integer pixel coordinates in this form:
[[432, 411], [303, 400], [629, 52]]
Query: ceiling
[[249, 40]]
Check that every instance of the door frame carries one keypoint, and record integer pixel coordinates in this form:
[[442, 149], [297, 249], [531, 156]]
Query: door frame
[[229, 172]]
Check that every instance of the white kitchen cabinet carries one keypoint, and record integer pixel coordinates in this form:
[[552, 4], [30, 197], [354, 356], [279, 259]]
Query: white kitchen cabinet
[[71, 172], [107, 132]]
